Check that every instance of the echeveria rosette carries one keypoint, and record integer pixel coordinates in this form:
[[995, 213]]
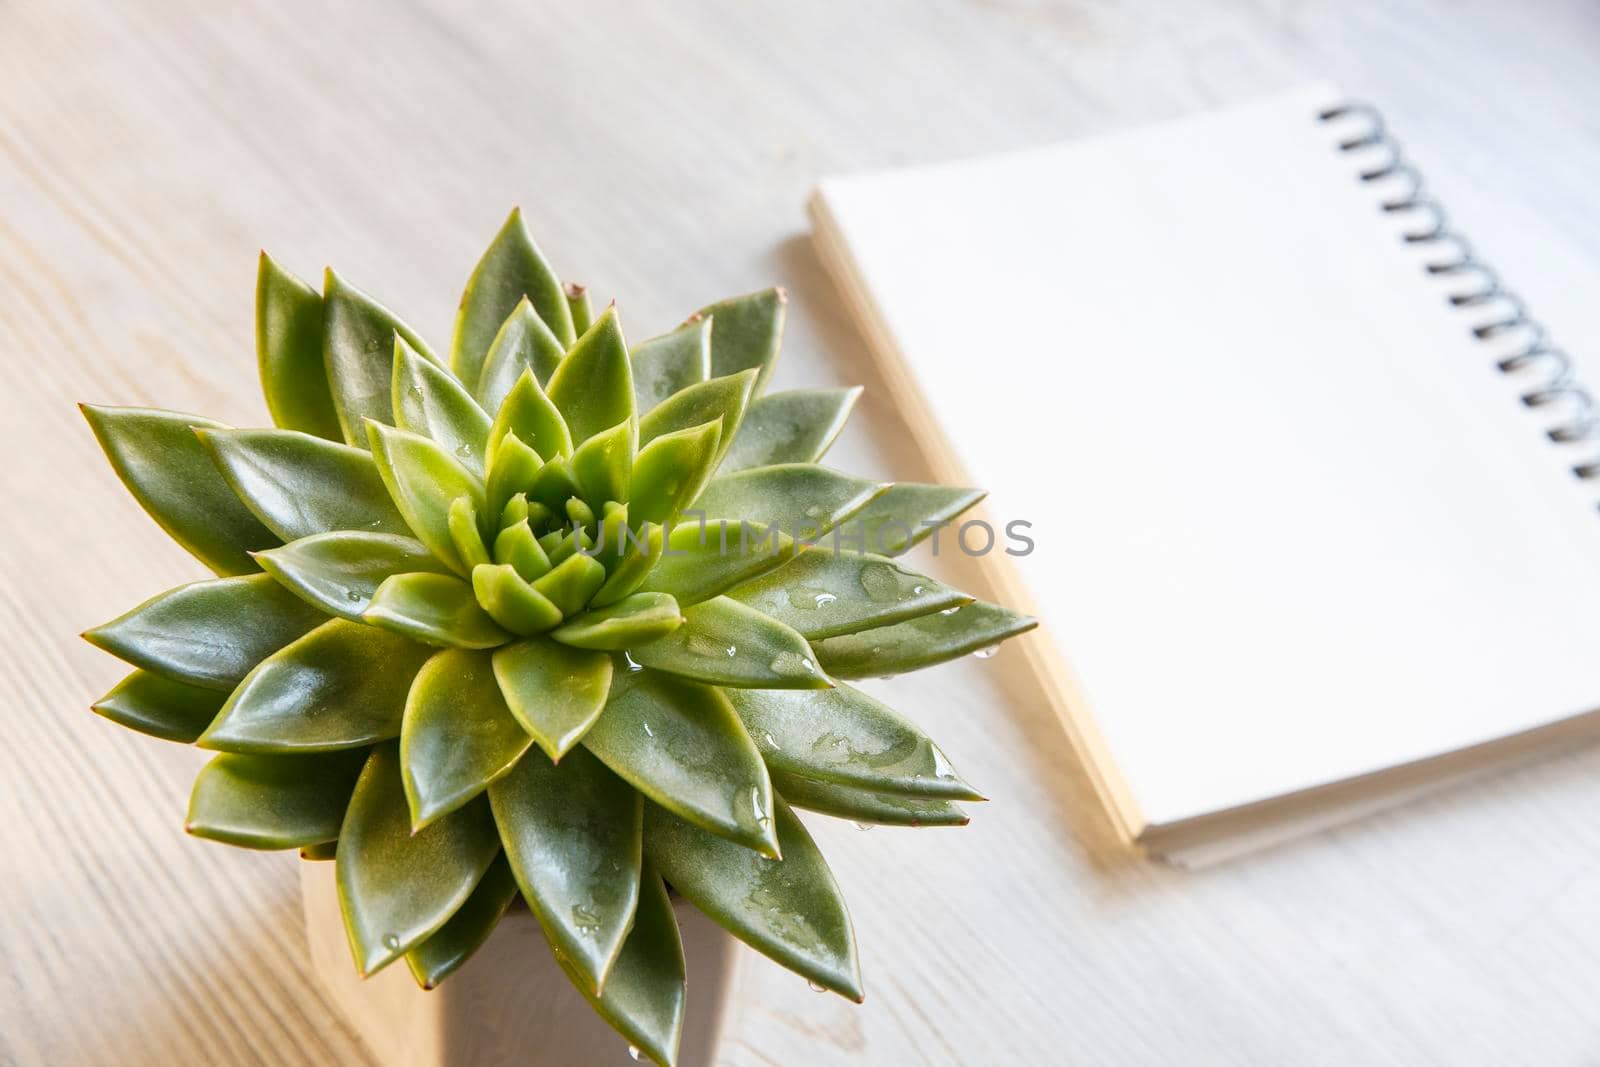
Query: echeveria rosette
[[464, 642]]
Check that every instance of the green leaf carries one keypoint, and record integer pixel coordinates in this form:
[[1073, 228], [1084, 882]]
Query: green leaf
[[458, 734], [299, 485], [273, 802], [343, 685], [553, 486], [515, 545], [511, 269], [639, 551], [800, 498], [358, 350], [515, 510], [524, 345], [465, 533], [644, 995], [593, 386], [720, 398], [573, 581], [513, 602], [726, 643], [674, 361], [529, 412], [208, 633], [398, 888], [922, 642], [631, 621], [289, 353], [681, 745], [701, 561], [171, 474], [428, 401], [160, 707], [671, 470], [822, 593], [792, 427], [513, 470], [845, 737], [789, 909], [560, 545], [908, 514], [424, 481], [436, 609], [746, 331], [578, 304], [340, 571], [885, 809], [572, 834], [555, 692], [604, 464], [443, 954]]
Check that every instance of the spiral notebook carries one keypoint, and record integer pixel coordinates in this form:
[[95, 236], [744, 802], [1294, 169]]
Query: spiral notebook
[[1308, 485]]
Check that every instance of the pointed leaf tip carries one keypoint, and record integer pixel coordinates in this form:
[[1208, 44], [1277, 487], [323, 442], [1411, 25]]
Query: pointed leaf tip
[[358, 352], [682, 745], [573, 835], [300, 485], [790, 910], [554, 691], [396, 888], [208, 634], [747, 331], [458, 735], [511, 269], [424, 481], [428, 400], [169, 471], [593, 386], [289, 352]]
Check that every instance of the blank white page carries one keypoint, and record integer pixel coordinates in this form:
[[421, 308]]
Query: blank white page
[[1292, 524]]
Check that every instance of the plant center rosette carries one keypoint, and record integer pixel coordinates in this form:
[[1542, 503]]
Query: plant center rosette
[[552, 617]]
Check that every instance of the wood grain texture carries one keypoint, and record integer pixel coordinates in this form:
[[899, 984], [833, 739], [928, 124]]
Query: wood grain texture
[[663, 154]]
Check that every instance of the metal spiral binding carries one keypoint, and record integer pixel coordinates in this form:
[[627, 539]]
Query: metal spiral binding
[[1557, 384]]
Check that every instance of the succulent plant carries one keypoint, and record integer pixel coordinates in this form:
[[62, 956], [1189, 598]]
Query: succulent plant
[[552, 618]]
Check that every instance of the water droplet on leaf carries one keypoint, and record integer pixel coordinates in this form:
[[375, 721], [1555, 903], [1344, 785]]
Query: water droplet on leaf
[[951, 611], [816, 987], [810, 597], [701, 645], [791, 665], [985, 653], [881, 582], [633, 1052]]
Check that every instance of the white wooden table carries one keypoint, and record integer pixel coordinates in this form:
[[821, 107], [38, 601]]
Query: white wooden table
[[662, 153]]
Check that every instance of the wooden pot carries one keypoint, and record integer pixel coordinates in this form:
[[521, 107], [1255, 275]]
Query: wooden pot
[[509, 1003]]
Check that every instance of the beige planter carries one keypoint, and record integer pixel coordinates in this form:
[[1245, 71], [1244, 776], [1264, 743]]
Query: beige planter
[[508, 1004]]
